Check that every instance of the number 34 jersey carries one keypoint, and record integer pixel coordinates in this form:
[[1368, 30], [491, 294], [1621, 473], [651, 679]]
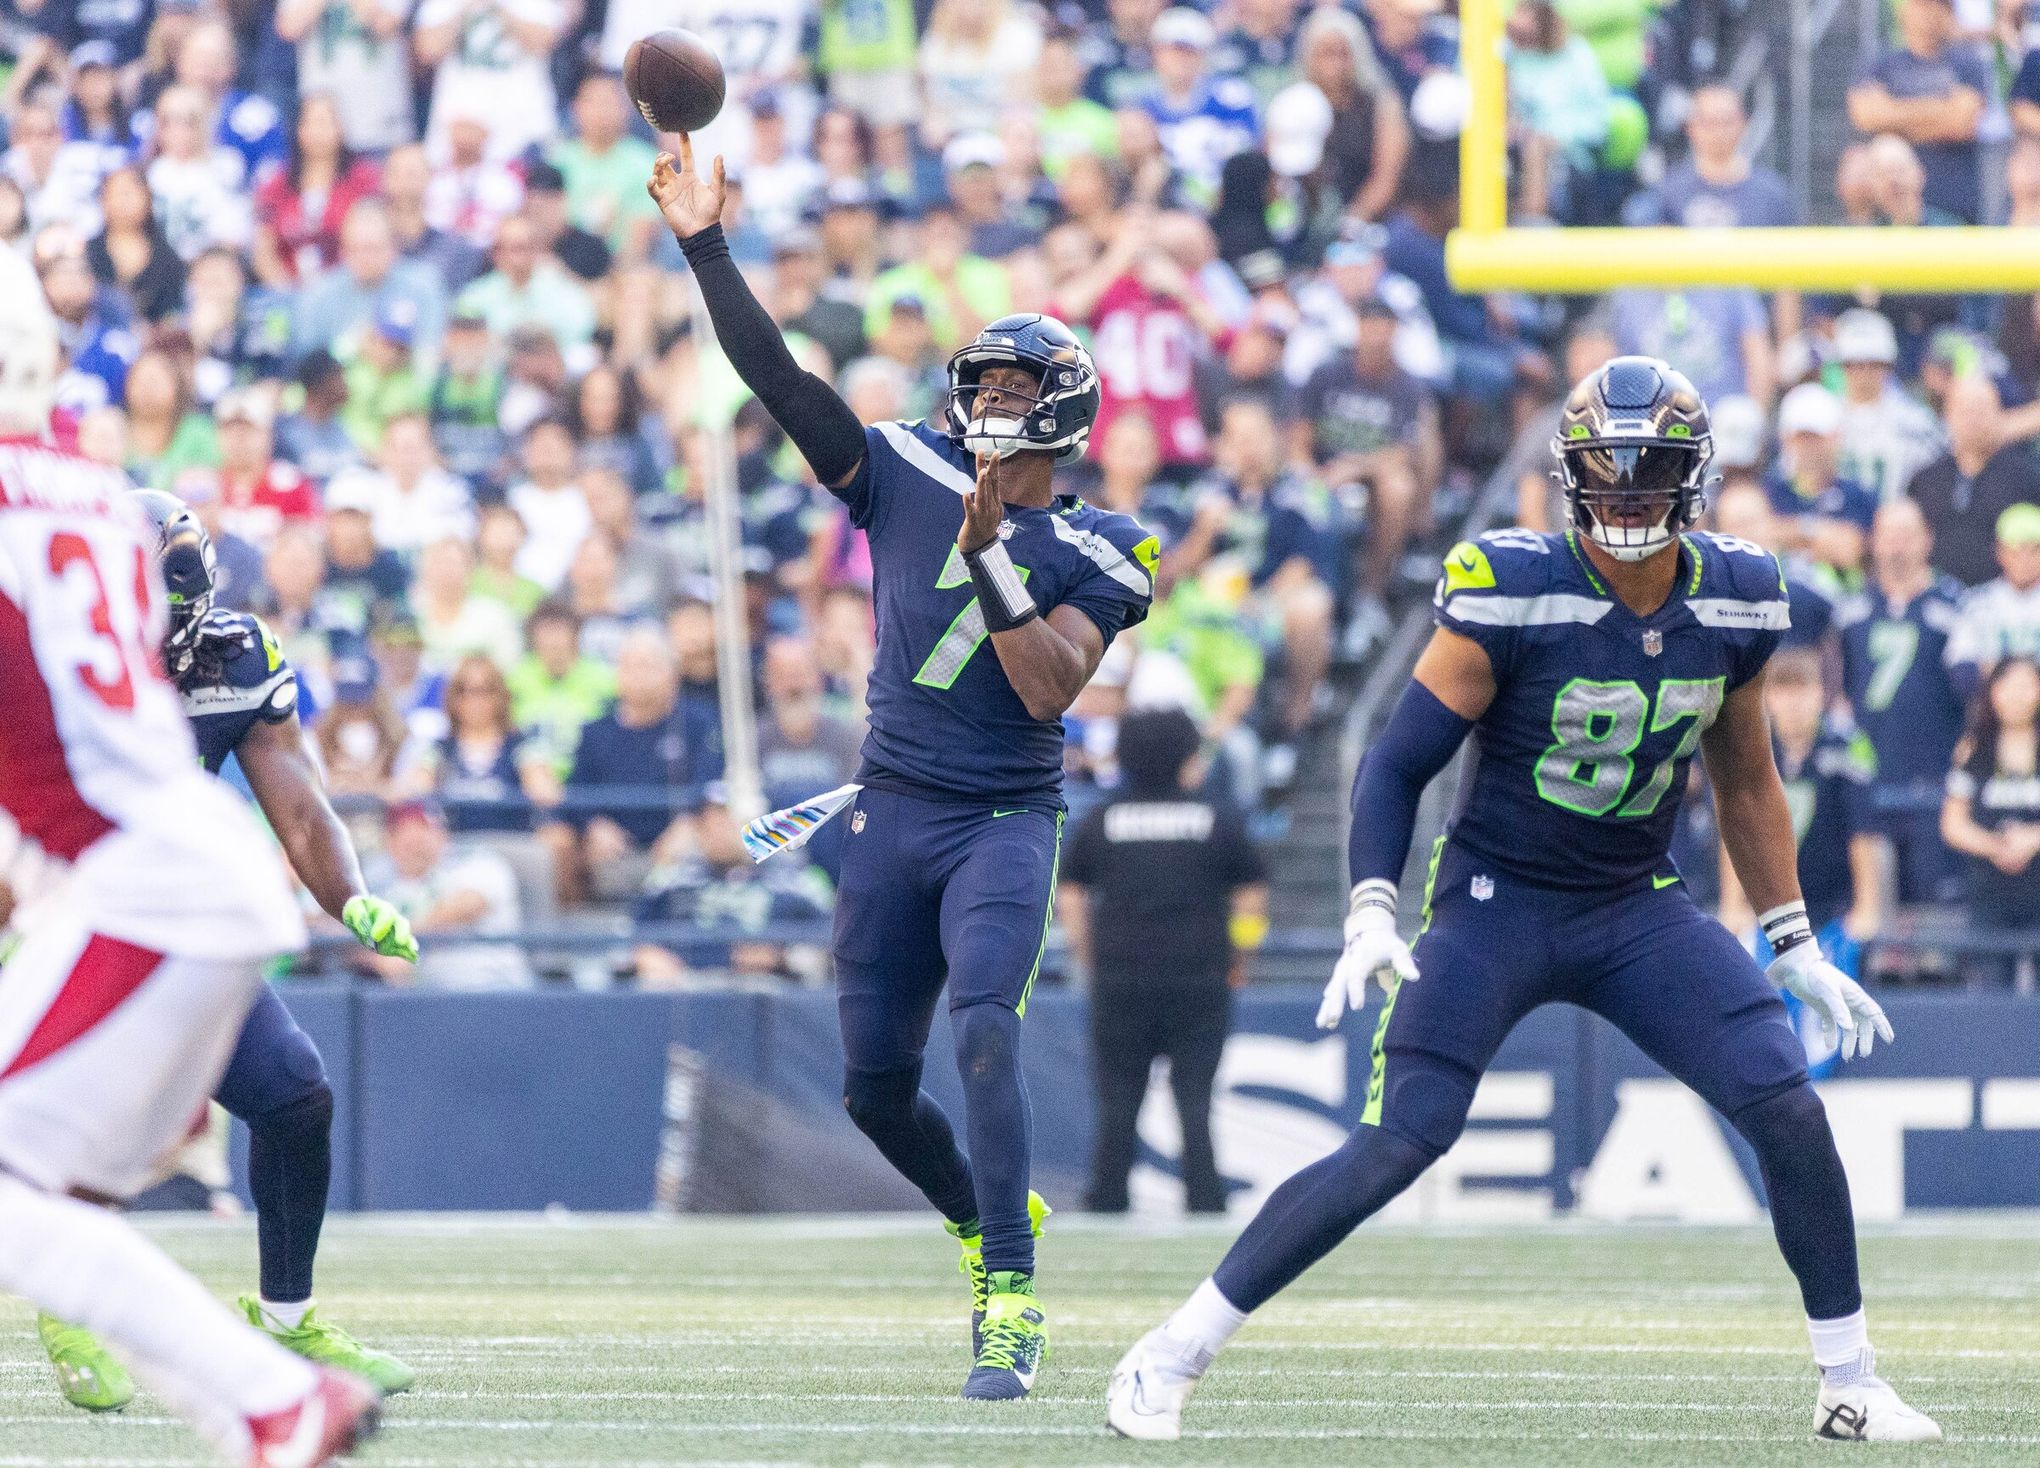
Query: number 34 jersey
[[1581, 760], [945, 722]]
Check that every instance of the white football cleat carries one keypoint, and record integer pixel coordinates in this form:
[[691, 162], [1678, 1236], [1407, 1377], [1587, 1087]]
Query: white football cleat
[[1867, 1410], [1150, 1385]]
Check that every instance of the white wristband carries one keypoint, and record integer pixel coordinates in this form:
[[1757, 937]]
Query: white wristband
[[1375, 892], [1786, 926]]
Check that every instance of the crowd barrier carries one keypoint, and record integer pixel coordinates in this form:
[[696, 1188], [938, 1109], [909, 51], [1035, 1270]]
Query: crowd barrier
[[731, 1102]]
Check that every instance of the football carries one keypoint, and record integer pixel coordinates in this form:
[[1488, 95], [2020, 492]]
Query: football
[[676, 80]]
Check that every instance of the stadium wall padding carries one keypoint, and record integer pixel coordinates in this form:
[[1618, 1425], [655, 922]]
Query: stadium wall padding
[[732, 1102]]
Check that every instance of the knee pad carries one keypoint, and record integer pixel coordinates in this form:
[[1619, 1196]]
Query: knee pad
[[1791, 1122], [987, 1040], [308, 1118], [874, 1096]]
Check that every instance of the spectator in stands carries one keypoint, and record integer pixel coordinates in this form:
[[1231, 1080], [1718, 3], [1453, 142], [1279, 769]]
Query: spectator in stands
[[259, 493], [1714, 186], [729, 904], [555, 689], [407, 180], [1414, 41], [1826, 515], [1558, 106], [1201, 119], [452, 619], [803, 749], [1164, 898], [335, 309], [408, 497], [492, 60], [959, 291], [636, 779], [1741, 508], [485, 773], [1071, 125], [166, 431], [1368, 140], [1932, 92], [975, 62], [200, 185], [1827, 771], [1974, 481], [528, 288], [1719, 336], [313, 437], [359, 735], [1992, 813], [131, 251], [2001, 618], [363, 580], [604, 168], [301, 207], [358, 53], [549, 501], [1361, 421], [448, 892], [1894, 640], [1887, 435]]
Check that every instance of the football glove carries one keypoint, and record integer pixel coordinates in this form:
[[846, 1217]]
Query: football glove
[[379, 926], [1849, 1018], [1374, 950]]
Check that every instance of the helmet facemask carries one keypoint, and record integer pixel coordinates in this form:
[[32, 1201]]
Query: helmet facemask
[[1055, 417], [1633, 498], [1009, 432], [188, 564]]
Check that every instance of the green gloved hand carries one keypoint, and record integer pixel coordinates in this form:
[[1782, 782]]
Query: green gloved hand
[[381, 927]]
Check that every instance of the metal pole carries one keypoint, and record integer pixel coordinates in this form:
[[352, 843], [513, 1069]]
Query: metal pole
[[732, 625]]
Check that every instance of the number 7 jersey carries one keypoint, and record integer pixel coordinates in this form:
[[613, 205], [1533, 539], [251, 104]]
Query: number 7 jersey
[[945, 722], [1581, 760]]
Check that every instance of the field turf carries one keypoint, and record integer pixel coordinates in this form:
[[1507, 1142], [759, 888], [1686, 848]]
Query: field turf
[[592, 1344]]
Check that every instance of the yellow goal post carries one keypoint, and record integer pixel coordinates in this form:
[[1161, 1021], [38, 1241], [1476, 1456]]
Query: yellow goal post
[[1485, 254]]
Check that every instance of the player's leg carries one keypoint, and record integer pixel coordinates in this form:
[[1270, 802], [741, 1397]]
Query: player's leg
[[996, 904], [1686, 992], [1197, 1029], [1125, 1038], [276, 1084], [1484, 964], [111, 1050], [888, 960]]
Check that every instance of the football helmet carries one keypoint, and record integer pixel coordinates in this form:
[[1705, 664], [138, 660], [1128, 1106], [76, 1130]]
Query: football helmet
[[1056, 419], [185, 553], [1633, 447]]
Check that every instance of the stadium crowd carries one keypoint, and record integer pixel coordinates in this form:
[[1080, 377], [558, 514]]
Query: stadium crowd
[[375, 286]]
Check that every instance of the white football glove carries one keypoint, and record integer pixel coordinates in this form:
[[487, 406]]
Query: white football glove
[[1843, 1007], [1374, 950]]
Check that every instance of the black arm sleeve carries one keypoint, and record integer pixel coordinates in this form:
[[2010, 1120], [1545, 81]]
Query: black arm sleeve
[[819, 422]]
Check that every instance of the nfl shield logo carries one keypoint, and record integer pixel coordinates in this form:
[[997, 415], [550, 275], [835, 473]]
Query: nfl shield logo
[[856, 822], [1653, 642], [1483, 888]]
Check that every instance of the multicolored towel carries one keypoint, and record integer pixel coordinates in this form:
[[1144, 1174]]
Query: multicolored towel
[[783, 830]]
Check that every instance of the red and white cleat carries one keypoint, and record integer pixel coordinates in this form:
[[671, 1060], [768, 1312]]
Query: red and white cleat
[[340, 1412]]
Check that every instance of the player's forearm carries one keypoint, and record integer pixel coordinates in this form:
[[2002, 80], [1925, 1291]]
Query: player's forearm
[[1046, 669], [1420, 739], [1756, 827], [322, 854], [819, 422]]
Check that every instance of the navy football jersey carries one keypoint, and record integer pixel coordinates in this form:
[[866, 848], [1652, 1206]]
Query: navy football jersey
[[1581, 759], [1898, 685], [239, 678], [944, 720]]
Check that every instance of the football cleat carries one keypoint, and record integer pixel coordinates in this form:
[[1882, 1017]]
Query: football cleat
[[972, 1264], [1150, 1386], [336, 1416], [1012, 1344], [1867, 1410], [329, 1345], [88, 1374]]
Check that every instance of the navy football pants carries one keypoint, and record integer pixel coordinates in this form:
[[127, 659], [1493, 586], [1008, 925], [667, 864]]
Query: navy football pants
[[1644, 958], [933, 892], [276, 1083]]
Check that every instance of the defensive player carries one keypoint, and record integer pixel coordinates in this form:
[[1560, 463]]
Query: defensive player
[[241, 698], [1589, 667], [138, 962], [949, 866]]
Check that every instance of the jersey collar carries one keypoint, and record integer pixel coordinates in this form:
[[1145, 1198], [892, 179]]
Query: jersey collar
[[1685, 583]]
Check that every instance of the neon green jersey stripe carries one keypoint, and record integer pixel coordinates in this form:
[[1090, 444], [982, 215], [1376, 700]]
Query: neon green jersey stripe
[[1377, 1074], [1048, 917]]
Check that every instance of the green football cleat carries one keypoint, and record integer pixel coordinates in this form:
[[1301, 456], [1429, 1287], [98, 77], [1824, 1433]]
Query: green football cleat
[[329, 1345], [87, 1373], [972, 1264], [1014, 1341]]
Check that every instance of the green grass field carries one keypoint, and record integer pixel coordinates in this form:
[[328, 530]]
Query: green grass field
[[584, 1344]]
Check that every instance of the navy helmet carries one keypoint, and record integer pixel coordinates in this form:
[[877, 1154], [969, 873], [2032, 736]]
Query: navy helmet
[[1633, 447], [185, 553], [1056, 419]]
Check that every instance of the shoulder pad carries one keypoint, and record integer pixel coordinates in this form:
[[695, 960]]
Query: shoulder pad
[[1732, 566], [1118, 545], [1511, 562]]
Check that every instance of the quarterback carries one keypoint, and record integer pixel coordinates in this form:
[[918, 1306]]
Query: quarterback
[[1589, 668]]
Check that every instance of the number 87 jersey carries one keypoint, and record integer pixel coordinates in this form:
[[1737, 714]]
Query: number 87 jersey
[[1581, 759]]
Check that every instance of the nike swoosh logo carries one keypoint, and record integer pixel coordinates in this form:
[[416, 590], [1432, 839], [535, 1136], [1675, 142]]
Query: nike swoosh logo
[[1001, 814], [1658, 884]]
